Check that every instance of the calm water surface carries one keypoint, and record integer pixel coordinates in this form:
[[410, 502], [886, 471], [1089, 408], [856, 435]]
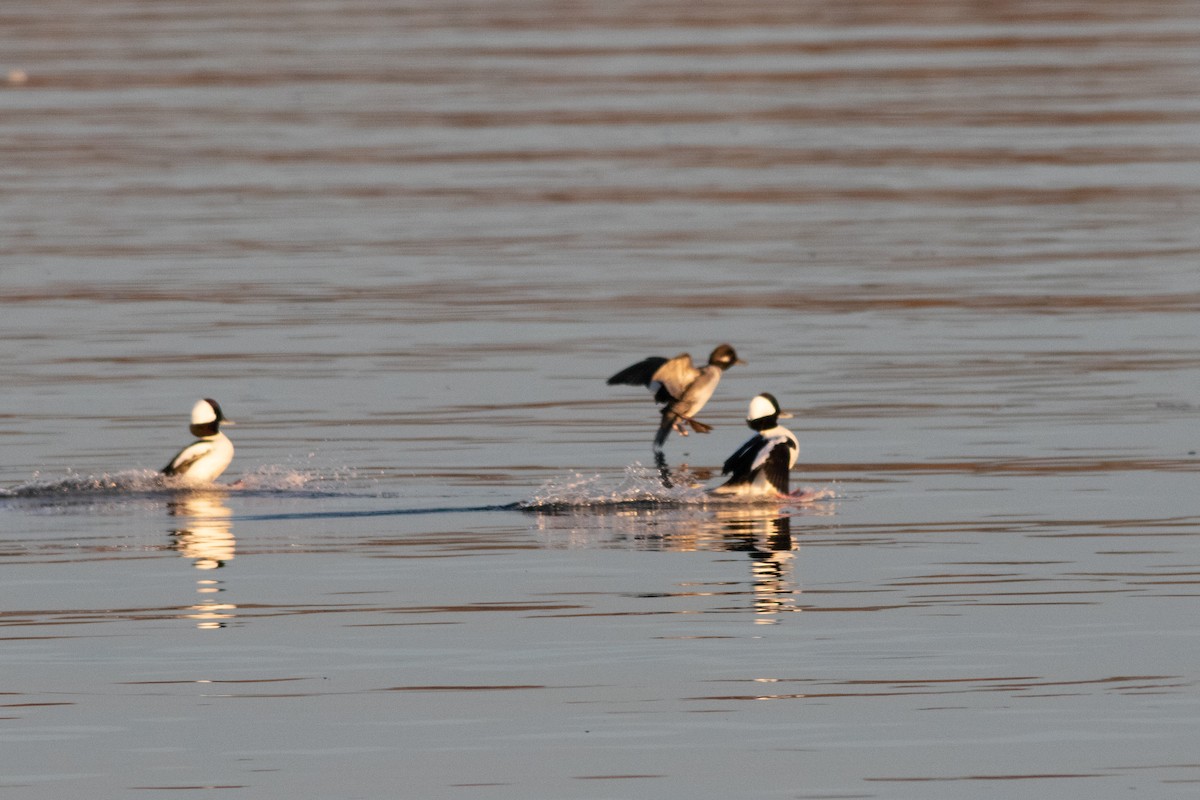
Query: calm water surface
[[404, 244]]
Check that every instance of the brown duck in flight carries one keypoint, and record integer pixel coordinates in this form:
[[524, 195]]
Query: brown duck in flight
[[679, 386]]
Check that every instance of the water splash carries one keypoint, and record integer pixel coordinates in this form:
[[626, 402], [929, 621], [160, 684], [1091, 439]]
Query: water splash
[[643, 487], [141, 483], [639, 486], [281, 479], [812, 494], [126, 482]]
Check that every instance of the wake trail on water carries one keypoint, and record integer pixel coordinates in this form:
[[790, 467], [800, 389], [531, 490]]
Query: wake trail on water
[[645, 488], [639, 487], [145, 483]]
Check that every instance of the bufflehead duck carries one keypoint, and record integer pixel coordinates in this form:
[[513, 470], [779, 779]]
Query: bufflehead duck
[[760, 466], [679, 386], [207, 457]]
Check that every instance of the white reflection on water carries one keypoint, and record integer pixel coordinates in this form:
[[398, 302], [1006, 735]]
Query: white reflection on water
[[762, 532], [207, 535], [766, 537], [206, 538]]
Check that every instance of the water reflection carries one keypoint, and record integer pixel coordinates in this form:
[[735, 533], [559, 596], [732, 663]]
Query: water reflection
[[765, 536], [762, 532], [207, 538]]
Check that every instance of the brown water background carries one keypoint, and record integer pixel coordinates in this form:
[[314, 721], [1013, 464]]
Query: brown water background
[[404, 243]]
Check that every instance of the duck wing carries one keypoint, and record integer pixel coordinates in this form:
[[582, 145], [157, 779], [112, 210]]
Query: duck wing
[[676, 375], [741, 463], [639, 374], [186, 457], [775, 459]]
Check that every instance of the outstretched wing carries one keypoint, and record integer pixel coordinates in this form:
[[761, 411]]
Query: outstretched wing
[[775, 460], [676, 375], [778, 464], [189, 455], [741, 463], [639, 374]]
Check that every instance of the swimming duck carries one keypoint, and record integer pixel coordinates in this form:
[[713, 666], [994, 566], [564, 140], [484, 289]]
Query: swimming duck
[[207, 457], [760, 466], [679, 386]]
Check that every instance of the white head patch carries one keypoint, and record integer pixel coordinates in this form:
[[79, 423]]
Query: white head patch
[[761, 407], [203, 413]]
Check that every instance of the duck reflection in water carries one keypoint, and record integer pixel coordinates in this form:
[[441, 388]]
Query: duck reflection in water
[[765, 536], [762, 532], [206, 537]]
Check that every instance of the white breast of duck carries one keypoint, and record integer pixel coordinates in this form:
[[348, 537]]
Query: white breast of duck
[[202, 461]]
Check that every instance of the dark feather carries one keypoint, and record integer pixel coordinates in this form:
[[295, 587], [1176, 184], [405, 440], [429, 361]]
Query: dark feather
[[639, 374], [743, 459], [777, 466], [179, 465]]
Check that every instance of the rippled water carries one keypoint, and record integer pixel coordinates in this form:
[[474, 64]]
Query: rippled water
[[404, 244]]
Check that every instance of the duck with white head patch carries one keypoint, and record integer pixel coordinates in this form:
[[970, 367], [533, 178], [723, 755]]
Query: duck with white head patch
[[759, 468], [679, 386], [207, 457]]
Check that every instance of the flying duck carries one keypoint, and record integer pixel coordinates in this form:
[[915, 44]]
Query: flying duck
[[679, 386]]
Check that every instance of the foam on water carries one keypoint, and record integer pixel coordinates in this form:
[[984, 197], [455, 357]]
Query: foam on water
[[272, 479], [135, 481], [644, 487], [281, 479], [639, 486]]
